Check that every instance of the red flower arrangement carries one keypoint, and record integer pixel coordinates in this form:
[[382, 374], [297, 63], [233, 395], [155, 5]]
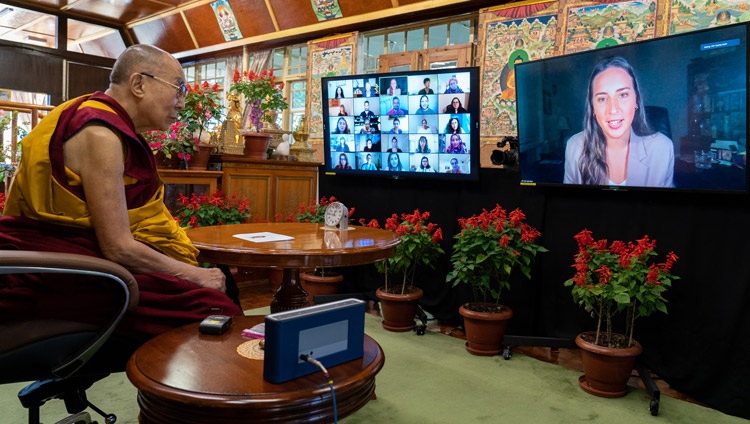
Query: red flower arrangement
[[487, 250], [420, 245], [202, 104], [216, 209], [177, 140], [262, 94], [621, 277]]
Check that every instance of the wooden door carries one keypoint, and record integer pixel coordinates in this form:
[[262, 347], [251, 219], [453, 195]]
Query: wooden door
[[458, 56]]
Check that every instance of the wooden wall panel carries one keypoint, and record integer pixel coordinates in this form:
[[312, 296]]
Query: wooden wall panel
[[204, 25], [169, 33], [357, 7], [23, 68], [253, 17], [84, 79], [293, 13]]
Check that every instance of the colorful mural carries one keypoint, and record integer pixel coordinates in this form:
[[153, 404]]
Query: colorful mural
[[693, 15], [328, 57], [225, 18], [603, 25], [326, 9], [507, 42]]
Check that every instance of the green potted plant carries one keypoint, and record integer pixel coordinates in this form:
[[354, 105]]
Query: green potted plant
[[320, 281], [263, 96], [622, 279], [420, 246], [200, 210], [172, 147], [203, 105], [486, 252]]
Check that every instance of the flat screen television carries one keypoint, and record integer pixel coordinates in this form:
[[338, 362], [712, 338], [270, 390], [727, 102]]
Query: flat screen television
[[413, 124], [681, 124]]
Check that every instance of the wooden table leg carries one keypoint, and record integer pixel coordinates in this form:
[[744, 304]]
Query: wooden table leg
[[290, 294]]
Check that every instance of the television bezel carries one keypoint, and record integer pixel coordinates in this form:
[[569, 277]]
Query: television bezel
[[473, 108], [612, 50]]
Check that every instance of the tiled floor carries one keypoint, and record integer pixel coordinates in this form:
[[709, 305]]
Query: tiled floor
[[256, 292]]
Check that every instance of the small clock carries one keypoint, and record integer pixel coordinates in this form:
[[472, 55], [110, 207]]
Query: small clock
[[337, 216]]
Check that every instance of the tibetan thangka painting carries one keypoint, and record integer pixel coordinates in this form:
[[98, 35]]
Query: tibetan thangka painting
[[693, 15], [602, 25], [329, 57], [508, 42]]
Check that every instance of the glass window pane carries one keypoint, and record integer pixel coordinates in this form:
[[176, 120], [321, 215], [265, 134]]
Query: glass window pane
[[298, 99], [375, 45], [437, 36], [460, 32], [278, 61], [415, 39], [94, 39], [189, 74], [396, 42], [373, 50]]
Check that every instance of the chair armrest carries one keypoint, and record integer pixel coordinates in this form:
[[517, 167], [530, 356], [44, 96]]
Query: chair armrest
[[20, 261]]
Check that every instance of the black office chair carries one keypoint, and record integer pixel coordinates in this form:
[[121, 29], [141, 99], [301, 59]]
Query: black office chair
[[65, 357]]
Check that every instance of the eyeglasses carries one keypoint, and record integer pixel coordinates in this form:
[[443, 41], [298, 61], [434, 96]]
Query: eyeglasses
[[182, 90]]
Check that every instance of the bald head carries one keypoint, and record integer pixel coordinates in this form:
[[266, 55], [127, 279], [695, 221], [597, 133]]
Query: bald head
[[146, 81], [138, 58]]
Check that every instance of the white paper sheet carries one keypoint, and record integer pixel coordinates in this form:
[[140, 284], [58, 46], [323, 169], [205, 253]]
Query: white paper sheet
[[263, 237]]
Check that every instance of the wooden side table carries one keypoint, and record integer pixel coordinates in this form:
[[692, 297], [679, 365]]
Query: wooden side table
[[186, 377], [311, 247]]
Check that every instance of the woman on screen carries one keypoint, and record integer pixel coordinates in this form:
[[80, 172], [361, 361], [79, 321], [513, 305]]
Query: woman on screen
[[394, 146], [342, 111], [455, 106], [616, 146], [343, 162], [454, 127], [422, 145], [393, 88], [424, 165], [457, 145], [339, 93], [394, 162], [342, 127], [424, 106]]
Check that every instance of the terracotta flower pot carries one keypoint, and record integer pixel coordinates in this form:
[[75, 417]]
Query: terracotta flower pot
[[485, 330], [606, 369], [163, 162], [316, 284], [199, 160], [256, 144], [398, 309]]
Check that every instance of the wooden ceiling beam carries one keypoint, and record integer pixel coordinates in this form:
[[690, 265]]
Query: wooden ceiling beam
[[379, 18]]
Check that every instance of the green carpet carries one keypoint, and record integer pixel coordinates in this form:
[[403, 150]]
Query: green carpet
[[432, 379]]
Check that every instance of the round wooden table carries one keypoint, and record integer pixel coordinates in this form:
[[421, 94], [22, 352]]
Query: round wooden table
[[186, 377], [312, 246]]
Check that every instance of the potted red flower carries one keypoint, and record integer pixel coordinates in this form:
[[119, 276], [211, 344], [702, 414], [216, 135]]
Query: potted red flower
[[173, 146], [200, 210], [420, 246], [203, 106], [614, 279], [263, 96], [488, 249]]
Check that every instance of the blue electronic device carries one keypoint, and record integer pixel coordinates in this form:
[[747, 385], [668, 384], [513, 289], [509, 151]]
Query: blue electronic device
[[332, 333]]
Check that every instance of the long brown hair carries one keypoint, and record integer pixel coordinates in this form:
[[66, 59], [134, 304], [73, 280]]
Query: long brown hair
[[593, 161]]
